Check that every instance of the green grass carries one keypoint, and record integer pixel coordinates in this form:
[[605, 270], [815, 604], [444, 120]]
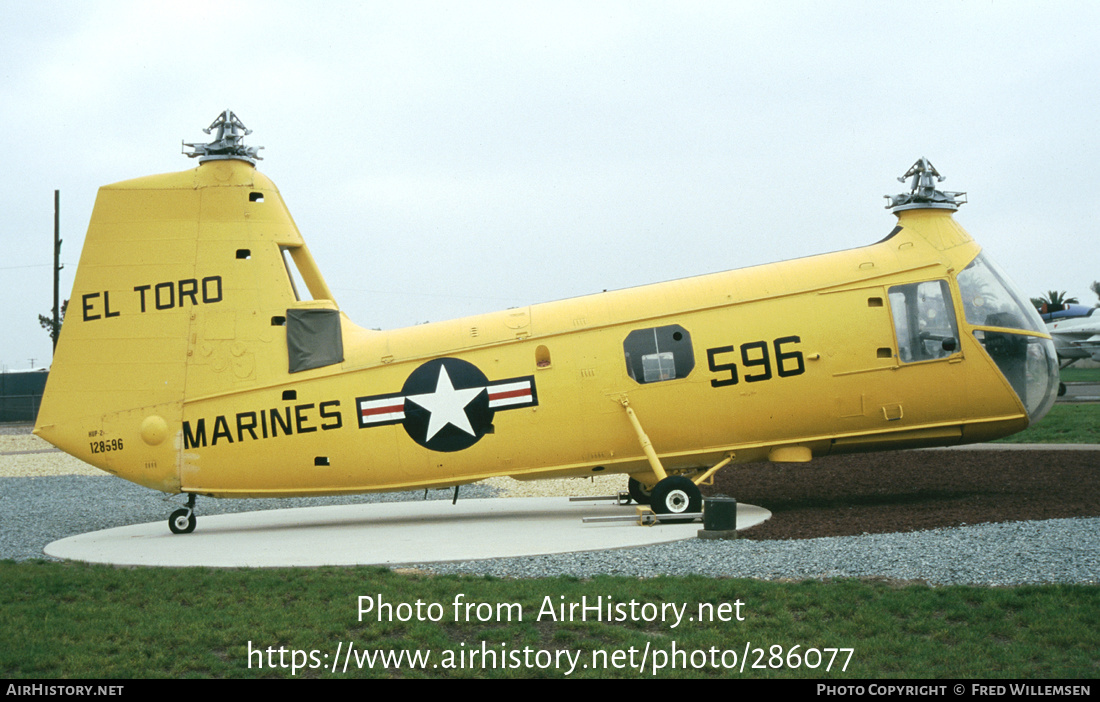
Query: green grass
[[1080, 375], [1066, 423], [80, 621], [65, 620]]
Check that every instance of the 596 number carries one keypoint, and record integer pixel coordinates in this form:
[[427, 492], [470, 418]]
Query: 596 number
[[757, 360]]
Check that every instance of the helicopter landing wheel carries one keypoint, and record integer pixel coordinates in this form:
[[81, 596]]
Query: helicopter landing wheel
[[638, 493], [676, 495], [182, 521]]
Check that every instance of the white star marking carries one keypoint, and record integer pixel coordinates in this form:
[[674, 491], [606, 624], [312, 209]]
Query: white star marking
[[446, 405]]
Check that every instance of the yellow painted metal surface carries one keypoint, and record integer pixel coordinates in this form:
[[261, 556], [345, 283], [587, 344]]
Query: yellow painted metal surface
[[172, 365]]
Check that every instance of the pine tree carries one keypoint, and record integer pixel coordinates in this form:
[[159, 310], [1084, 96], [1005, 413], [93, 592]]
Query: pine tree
[[47, 322]]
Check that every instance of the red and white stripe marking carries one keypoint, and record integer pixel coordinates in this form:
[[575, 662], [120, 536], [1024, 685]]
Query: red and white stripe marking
[[507, 394], [390, 409]]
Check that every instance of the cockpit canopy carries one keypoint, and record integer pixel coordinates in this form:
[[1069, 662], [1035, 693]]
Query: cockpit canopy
[[1007, 326]]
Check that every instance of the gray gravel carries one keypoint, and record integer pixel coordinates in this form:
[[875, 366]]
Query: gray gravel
[[1013, 553], [36, 511]]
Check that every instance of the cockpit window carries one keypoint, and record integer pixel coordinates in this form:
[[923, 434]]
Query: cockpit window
[[1009, 325], [924, 320], [989, 301]]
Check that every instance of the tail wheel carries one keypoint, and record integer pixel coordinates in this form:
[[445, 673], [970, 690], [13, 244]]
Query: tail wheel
[[676, 495], [638, 492], [182, 521]]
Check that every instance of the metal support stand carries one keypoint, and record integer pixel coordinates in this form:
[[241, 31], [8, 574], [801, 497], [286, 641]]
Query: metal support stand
[[623, 498], [645, 517]]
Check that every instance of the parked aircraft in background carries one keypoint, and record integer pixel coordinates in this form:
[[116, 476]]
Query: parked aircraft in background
[[1076, 333]]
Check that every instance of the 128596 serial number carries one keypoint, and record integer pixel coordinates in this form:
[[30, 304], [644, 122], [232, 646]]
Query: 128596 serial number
[[105, 446]]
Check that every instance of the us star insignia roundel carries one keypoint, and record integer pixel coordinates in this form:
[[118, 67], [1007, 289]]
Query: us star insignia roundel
[[447, 404]]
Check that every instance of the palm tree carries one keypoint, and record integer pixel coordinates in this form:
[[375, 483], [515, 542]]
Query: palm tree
[[1054, 301]]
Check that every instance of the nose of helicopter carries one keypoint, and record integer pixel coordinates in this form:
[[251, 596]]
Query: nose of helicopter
[[1012, 333], [1041, 376]]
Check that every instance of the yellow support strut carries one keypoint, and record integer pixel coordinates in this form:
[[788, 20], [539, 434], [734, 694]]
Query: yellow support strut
[[710, 473], [647, 447]]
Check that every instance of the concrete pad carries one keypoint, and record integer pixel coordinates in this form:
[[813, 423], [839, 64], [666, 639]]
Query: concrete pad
[[1081, 392], [390, 533]]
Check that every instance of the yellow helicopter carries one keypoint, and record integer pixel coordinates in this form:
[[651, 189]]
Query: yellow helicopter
[[191, 361]]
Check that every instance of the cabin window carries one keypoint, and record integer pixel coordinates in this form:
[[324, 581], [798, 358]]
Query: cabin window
[[924, 321], [305, 280], [297, 285], [658, 354], [313, 339]]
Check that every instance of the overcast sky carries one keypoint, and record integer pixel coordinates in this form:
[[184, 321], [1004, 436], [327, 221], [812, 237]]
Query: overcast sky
[[450, 158]]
